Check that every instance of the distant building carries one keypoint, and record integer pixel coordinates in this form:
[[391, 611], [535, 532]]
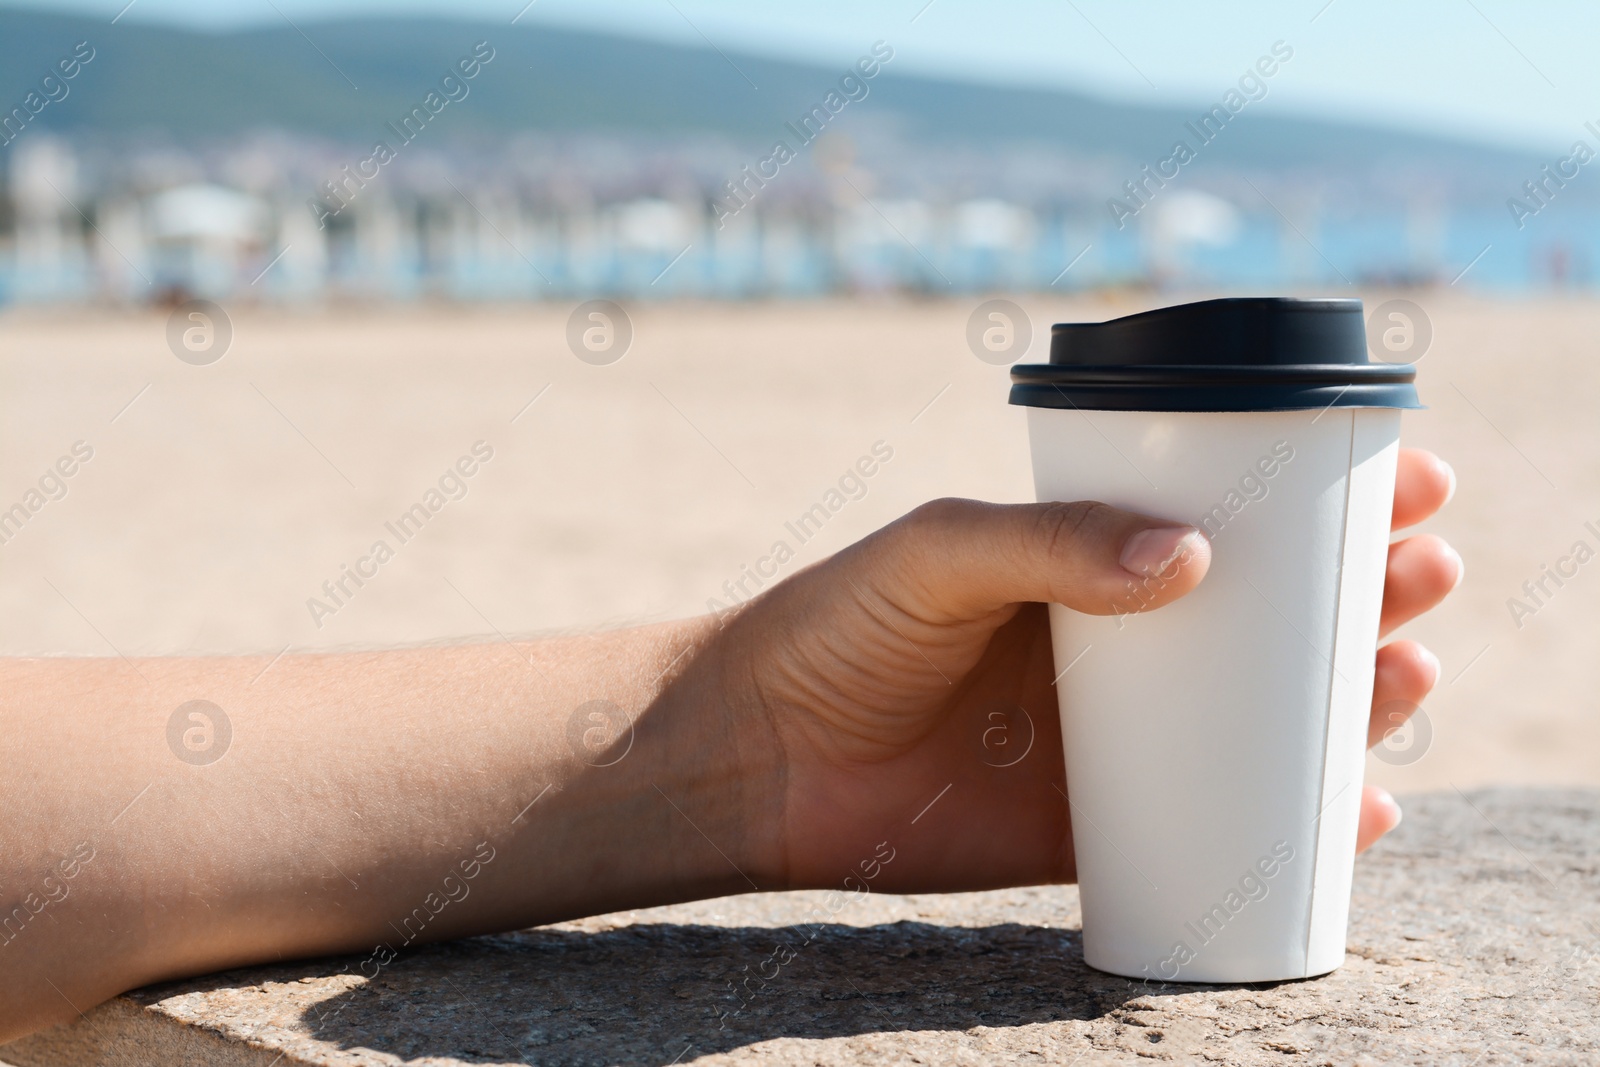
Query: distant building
[[547, 218]]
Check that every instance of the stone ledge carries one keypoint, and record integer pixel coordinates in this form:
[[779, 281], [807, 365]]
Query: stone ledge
[[1475, 940]]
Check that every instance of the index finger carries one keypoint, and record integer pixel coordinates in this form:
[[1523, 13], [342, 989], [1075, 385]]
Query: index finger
[[1423, 483]]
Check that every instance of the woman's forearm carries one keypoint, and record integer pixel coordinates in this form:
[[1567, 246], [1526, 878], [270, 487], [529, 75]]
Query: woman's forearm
[[364, 802]]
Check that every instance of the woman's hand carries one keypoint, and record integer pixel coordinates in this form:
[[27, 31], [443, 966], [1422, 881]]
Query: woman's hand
[[774, 752], [875, 671]]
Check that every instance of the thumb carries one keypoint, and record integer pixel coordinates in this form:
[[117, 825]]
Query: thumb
[[960, 560]]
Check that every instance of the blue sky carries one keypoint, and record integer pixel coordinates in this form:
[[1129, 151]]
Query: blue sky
[[1516, 73]]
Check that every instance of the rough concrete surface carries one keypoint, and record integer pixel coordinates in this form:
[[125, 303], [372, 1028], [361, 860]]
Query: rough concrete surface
[[1474, 940]]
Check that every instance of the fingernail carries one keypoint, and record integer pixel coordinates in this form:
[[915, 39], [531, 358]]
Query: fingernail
[[1433, 661], [1450, 472], [1461, 567], [1154, 550], [1394, 807]]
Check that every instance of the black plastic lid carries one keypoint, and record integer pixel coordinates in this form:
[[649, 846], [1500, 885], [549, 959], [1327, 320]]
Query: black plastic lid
[[1240, 354]]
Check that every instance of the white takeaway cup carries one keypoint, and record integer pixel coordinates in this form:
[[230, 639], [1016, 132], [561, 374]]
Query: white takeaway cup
[[1215, 748]]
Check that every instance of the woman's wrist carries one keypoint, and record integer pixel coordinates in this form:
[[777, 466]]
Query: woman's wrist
[[658, 783], [711, 760]]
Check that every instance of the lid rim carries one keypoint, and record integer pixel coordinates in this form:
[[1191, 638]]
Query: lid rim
[[1167, 373], [1300, 395]]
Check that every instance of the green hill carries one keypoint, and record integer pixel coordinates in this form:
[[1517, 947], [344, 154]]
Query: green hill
[[157, 79]]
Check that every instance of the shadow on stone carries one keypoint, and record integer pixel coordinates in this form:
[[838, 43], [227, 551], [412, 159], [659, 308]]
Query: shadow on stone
[[1474, 939], [659, 994]]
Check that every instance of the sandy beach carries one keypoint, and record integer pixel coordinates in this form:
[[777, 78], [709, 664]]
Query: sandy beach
[[208, 505]]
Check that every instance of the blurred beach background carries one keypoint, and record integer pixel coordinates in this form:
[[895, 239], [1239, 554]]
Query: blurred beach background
[[256, 341]]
